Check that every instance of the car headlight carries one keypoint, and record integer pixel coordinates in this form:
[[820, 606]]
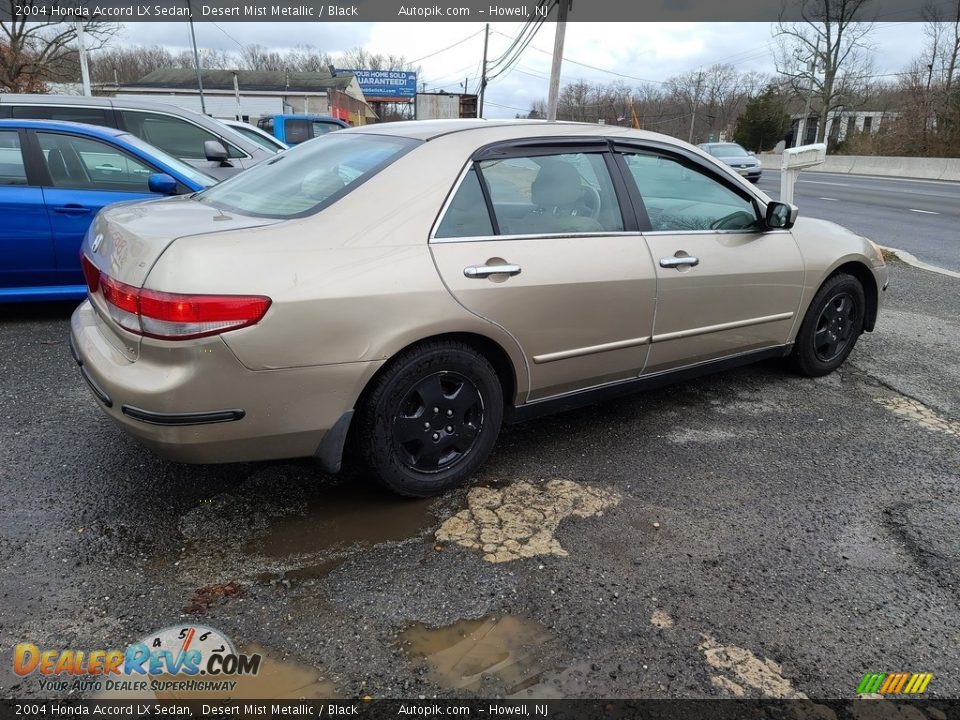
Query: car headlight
[[759, 164]]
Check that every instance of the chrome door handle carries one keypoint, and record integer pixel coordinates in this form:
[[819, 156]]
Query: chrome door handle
[[482, 271], [679, 261]]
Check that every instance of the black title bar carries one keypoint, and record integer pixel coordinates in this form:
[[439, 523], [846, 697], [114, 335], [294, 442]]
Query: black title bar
[[448, 10]]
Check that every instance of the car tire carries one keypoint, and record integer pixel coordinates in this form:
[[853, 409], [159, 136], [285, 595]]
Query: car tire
[[831, 327], [430, 419]]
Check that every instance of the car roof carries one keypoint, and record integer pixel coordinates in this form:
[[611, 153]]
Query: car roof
[[118, 101], [63, 125], [429, 129]]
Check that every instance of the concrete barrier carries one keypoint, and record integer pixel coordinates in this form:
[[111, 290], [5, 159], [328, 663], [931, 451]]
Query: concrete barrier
[[905, 167]]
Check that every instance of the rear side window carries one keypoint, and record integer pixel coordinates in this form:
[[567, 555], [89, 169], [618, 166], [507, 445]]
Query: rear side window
[[322, 128], [467, 214], [173, 135], [296, 131], [12, 171], [552, 194], [75, 162], [307, 178], [89, 115]]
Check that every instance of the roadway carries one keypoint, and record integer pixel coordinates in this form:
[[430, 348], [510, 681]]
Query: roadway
[[919, 216]]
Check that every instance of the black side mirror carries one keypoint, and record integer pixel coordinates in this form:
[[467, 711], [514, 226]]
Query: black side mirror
[[780, 216], [214, 151]]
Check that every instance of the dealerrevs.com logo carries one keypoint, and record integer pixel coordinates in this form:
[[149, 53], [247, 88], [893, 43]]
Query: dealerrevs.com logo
[[178, 658]]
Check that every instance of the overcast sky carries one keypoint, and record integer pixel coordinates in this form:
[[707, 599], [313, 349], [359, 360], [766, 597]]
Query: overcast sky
[[637, 51]]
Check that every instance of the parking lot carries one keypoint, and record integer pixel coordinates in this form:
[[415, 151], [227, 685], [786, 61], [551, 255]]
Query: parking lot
[[752, 533]]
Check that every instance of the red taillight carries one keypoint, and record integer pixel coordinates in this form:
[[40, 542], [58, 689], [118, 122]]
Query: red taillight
[[90, 273], [174, 316]]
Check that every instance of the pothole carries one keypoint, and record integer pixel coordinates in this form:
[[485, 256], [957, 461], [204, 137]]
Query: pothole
[[745, 670], [234, 538], [919, 413], [511, 650], [520, 520], [343, 516]]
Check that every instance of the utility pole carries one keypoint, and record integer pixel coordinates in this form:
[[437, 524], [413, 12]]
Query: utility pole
[[196, 61], [84, 70], [806, 110], [696, 102], [562, 7], [483, 73]]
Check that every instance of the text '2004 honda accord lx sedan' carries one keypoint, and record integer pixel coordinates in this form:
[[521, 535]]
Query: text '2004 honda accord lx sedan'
[[403, 289]]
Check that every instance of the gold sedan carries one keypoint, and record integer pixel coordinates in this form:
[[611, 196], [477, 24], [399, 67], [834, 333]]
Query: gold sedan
[[404, 289]]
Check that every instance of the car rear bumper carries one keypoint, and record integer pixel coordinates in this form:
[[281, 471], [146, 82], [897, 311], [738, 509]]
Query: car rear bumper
[[195, 402]]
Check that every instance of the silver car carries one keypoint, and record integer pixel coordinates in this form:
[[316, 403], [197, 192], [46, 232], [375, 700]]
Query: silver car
[[743, 162], [196, 139]]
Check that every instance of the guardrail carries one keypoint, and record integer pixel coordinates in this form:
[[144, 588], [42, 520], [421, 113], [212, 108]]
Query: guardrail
[[905, 167]]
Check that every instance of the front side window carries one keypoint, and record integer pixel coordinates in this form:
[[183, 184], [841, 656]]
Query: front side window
[[75, 162], [173, 135], [262, 141], [12, 171], [678, 197], [307, 178], [552, 194]]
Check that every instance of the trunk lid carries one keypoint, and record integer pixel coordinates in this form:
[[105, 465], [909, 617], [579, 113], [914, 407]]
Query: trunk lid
[[125, 241]]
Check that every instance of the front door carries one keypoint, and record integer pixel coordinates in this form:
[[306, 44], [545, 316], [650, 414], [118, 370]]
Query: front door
[[724, 285], [554, 265]]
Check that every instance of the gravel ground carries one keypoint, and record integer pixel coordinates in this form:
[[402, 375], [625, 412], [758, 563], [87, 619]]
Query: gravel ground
[[749, 533]]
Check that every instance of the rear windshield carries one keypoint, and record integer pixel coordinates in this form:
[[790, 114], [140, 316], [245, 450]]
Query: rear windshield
[[729, 150], [308, 177]]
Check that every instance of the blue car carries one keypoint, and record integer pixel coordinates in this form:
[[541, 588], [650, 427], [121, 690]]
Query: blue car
[[295, 129], [54, 178]]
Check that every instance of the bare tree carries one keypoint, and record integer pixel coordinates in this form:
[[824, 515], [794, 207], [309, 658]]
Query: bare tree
[[38, 52], [832, 38], [360, 59]]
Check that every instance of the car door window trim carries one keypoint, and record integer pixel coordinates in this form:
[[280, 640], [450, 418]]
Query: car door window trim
[[539, 147]]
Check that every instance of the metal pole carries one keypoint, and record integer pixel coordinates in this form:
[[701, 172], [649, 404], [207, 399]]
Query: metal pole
[[236, 94], [84, 70], [554, 96], [801, 134], [483, 74], [196, 62], [696, 101]]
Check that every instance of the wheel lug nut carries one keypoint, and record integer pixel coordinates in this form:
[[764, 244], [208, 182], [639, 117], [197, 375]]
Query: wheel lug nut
[[449, 413], [449, 428], [436, 410], [426, 425], [436, 436]]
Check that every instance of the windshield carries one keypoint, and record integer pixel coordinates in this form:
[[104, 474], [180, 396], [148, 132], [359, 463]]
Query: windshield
[[728, 150], [188, 171], [308, 177], [252, 134]]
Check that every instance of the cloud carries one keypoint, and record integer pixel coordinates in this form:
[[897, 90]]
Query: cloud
[[628, 52]]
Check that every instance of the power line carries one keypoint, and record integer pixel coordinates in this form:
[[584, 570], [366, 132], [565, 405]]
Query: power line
[[448, 47]]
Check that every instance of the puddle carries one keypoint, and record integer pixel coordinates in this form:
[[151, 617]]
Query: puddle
[[520, 520], [513, 650], [276, 680]]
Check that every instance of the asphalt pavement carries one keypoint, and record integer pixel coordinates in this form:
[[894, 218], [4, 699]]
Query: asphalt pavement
[[749, 533], [919, 216]]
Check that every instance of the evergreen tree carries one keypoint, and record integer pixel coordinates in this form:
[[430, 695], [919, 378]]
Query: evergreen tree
[[764, 121]]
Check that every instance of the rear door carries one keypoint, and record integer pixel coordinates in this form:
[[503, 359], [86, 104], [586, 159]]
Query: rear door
[[26, 242], [536, 241], [84, 175], [725, 284]]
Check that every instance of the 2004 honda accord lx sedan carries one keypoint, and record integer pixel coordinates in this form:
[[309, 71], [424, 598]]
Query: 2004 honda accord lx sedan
[[403, 289]]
